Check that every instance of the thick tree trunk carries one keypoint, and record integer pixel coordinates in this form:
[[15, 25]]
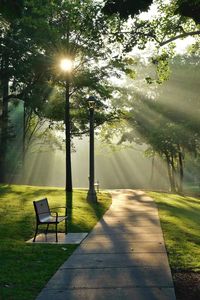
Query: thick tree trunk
[[173, 175], [152, 170], [181, 173], [4, 131], [68, 182], [24, 134], [169, 172]]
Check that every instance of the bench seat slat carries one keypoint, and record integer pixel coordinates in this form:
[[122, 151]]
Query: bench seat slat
[[51, 219]]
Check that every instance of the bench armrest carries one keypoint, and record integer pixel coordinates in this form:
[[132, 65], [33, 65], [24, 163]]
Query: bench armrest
[[55, 214], [53, 208], [59, 207]]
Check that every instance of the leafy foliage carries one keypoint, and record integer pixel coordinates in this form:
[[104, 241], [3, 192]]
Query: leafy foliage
[[11, 8], [166, 124], [32, 44], [189, 9], [126, 8]]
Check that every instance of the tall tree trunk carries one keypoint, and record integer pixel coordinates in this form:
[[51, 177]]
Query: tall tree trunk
[[152, 169], [68, 182], [173, 174], [24, 134], [4, 119], [24, 141], [169, 172], [181, 173]]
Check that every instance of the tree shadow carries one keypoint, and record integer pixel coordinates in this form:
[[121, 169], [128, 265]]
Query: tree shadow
[[4, 189], [69, 207]]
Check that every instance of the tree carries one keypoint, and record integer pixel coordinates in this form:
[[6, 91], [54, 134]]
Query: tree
[[23, 65], [172, 21], [164, 118], [158, 31], [33, 43]]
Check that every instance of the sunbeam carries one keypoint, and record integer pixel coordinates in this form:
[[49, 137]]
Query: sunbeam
[[171, 110]]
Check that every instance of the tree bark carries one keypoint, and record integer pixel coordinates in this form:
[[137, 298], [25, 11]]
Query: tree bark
[[68, 182], [169, 172], [173, 174], [4, 118], [181, 172]]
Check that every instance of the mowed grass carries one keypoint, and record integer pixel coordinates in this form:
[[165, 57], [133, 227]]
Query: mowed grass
[[180, 221], [25, 268]]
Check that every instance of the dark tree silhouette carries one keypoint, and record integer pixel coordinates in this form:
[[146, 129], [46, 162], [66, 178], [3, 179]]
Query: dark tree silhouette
[[189, 9], [126, 8]]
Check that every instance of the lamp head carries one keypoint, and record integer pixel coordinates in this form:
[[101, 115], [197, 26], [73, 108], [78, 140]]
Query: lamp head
[[91, 102]]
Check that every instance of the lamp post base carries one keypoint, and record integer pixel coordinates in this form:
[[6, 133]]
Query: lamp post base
[[92, 196]]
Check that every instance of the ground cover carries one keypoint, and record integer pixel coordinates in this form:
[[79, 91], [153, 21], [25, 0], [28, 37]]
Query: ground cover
[[180, 221], [25, 268]]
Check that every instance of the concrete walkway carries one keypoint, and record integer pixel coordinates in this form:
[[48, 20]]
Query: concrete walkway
[[123, 258]]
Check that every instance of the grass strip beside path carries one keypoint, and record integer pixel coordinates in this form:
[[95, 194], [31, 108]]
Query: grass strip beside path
[[25, 268], [180, 221]]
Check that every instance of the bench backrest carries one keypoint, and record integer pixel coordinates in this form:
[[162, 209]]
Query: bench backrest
[[41, 209]]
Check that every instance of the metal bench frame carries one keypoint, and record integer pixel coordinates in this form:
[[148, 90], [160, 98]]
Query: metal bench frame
[[45, 216]]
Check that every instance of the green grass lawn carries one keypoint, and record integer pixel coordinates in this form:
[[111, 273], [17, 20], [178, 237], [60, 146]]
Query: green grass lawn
[[25, 268], [180, 221]]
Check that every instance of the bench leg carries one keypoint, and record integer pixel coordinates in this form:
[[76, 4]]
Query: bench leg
[[66, 226], [36, 231], [47, 229]]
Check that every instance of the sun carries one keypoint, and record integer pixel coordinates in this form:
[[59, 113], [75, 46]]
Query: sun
[[66, 64]]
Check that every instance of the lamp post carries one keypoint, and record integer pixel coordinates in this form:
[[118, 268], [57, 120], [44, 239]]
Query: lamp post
[[91, 196], [66, 67]]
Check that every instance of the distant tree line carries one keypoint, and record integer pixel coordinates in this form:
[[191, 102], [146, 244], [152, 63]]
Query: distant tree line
[[165, 118]]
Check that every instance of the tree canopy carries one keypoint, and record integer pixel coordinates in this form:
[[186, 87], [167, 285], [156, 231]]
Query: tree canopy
[[126, 8], [189, 9], [163, 118], [32, 43], [99, 39]]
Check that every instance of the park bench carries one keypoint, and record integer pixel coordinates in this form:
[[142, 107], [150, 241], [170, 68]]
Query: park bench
[[45, 216]]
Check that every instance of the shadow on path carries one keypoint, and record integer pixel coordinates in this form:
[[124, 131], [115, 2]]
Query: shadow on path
[[124, 257]]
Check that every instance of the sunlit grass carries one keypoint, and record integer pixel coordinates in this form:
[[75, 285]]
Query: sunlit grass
[[180, 220], [25, 268]]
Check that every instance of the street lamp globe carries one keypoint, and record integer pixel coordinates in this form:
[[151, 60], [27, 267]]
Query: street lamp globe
[[66, 64], [92, 102]]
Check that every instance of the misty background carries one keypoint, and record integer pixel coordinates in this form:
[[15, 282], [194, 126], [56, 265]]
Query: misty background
[[126, 167]]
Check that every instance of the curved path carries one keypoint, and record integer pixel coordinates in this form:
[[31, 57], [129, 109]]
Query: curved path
[[123, 257]]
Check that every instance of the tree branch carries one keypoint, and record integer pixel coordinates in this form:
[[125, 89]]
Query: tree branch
[[183, 35]]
